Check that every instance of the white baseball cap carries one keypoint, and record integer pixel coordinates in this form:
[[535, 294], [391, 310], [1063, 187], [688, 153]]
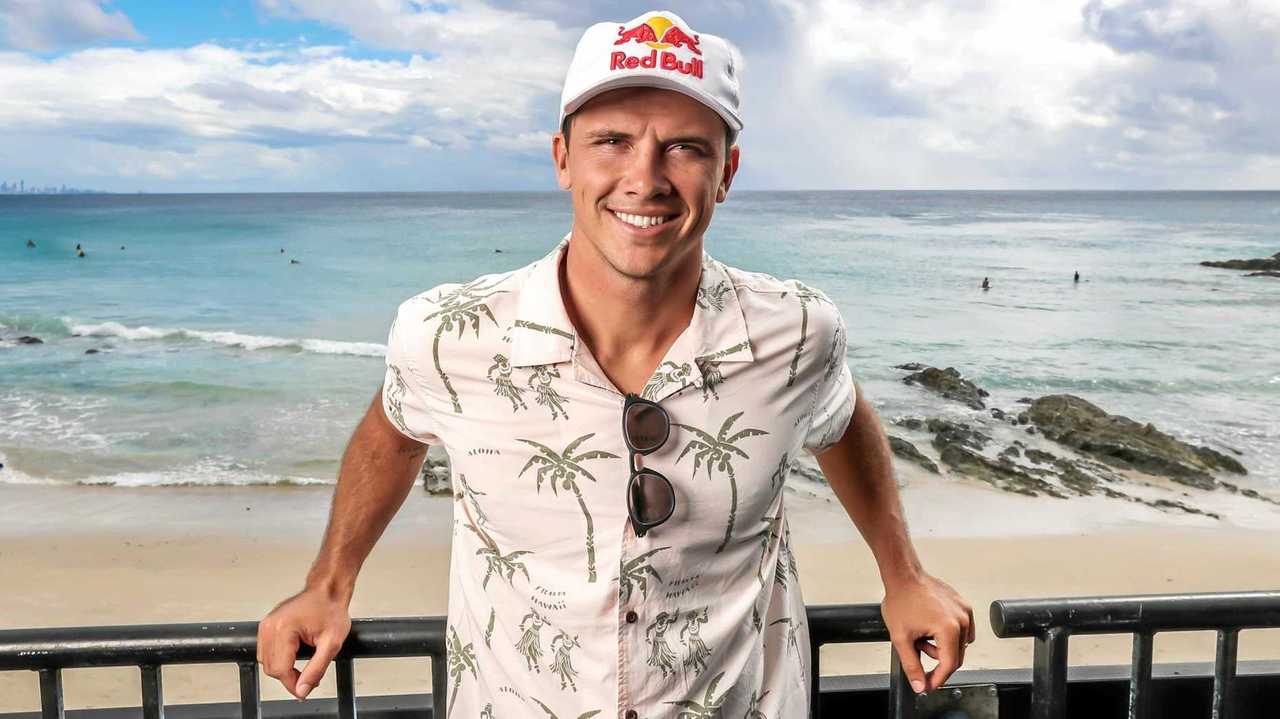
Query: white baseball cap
[[656, 49]]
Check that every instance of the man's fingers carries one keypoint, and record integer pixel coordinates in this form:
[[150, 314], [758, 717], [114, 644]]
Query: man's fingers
[[280, 653], [949, 647], [973, 629], [326, 649], [923, 644], [910, 660]]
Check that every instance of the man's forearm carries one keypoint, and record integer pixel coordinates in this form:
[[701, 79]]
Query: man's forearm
[[378, 470], [859, 469]]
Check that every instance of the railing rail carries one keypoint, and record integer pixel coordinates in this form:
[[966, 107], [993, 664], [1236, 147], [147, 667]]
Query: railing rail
[[1052, 622]]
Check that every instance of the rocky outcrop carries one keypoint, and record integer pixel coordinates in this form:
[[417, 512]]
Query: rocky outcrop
[[1122, 442], [1267, 273], [908, 451], [949, 384], [28, 340], [1261, 263]]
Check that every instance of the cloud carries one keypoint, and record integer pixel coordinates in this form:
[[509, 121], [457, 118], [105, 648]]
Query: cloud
[[45, 25]]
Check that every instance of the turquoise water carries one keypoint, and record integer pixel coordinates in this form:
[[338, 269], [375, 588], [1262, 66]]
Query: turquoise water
[[224, 363]]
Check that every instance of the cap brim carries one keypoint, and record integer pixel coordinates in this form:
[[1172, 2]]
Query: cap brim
[[662, 83]]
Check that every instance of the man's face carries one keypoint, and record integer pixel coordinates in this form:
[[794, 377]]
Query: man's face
[[649, 153]]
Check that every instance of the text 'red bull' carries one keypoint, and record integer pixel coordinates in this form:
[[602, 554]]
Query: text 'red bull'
[[664, 60]]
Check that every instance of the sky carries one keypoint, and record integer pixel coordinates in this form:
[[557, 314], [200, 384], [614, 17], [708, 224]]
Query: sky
[[406, 95]]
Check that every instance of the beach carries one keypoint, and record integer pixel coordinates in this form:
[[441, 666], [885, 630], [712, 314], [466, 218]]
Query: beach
[[82, 555]]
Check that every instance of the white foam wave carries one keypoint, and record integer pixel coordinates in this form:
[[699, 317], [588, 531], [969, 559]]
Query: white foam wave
[[227, 338], [206, 472]]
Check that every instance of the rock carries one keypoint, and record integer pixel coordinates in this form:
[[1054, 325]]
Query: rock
[[1025, 400], [910, 422], [1000, 475], [1040, 456], [1010, 452], [910, 366], [1267, 273], [1122, 442], [997, 413], [908, 451], [1262, 263], [1031, 430], [29, 340], [91, 351], [436, 471], [948, 383], [948, 433]]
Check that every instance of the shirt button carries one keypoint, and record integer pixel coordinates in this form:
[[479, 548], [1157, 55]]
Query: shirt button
[[631, 617], [631, 714]]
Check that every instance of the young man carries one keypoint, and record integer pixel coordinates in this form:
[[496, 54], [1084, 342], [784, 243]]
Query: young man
[[620, 417]]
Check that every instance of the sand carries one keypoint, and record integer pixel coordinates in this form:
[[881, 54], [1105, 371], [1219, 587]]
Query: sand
[[80, 556]]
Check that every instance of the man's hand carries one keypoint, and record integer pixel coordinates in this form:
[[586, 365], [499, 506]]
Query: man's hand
[[310, 616], [924, 609]]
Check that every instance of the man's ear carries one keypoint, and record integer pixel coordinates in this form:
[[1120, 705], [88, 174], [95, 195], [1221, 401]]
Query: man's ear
[[560, 156], [730, 169]]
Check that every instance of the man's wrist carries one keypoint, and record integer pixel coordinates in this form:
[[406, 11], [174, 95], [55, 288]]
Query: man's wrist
[[339, 587]]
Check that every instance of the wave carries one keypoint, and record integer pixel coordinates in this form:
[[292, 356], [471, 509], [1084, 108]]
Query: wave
[[228, 338], [207, 472]]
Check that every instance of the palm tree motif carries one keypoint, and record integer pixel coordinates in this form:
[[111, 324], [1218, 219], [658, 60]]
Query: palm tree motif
[[786, 561], [767, 535], [457, 307], [553, 715], [488, 630], [660, 655], [530, 643], [667, 372], [487, 712], [718, 453], [502, 384], [793, 629], [707, 708], [395, 398], [633, 572], [755, 618], [461, 659], [780, 474], [713, 297], [563, 470], [696, 651], [753, 705], [471, 494], [562, 664], [806, 295], [544, 393], [504, 565]]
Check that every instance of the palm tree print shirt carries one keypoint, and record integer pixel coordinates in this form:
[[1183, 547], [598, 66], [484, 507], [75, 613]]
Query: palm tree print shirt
[[556, 608]]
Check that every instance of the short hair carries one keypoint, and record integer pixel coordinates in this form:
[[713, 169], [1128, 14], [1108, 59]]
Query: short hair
[[568, 122]]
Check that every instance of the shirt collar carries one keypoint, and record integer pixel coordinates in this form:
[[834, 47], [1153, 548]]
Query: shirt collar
[[543, 334]]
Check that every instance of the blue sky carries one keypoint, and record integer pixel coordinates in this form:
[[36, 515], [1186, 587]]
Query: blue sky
[[333, 95]]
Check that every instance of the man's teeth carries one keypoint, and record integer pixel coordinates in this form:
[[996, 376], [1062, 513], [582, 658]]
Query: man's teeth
[[641, 221]]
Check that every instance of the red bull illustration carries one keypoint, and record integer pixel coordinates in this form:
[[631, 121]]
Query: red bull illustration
[[661, 34]]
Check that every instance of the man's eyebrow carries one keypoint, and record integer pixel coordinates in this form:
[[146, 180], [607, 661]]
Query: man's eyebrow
[[607, 132]]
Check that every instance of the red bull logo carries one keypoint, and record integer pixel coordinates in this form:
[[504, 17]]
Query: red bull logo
[[661, 34]]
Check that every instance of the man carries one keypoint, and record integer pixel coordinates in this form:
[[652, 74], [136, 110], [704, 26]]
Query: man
[[625, 567]]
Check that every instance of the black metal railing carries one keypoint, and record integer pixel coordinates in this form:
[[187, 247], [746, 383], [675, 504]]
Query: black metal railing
[[1052, 622], [1049, 621]]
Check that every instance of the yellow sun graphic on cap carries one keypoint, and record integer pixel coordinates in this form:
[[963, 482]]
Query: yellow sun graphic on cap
[[660, 25]]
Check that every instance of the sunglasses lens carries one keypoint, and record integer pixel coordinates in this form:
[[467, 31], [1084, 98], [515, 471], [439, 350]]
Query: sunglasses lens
[[646, 427], [652, 497]]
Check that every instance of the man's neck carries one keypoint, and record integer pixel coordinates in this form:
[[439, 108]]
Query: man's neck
[[627, 322]]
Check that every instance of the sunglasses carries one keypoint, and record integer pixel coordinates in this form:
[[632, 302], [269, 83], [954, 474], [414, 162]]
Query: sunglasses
[[650, 497]]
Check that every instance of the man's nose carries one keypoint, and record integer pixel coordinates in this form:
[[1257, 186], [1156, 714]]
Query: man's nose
[[646, 173]]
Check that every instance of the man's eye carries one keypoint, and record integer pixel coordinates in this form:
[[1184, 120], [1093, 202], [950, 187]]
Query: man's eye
[[694, 148]]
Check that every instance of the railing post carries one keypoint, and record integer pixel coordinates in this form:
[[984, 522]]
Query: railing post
[[902, 698], [1140, 677], [1049, 675], [250, 692], [439, 708], [346, 688], [51, 694], [152, 692], [1224, 674], [815, 676]]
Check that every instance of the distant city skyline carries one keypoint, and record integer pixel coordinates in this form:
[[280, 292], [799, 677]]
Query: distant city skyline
[[408, 95], [20, 188]]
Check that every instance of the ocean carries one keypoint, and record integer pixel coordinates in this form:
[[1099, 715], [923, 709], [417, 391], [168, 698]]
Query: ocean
[[221, 362]]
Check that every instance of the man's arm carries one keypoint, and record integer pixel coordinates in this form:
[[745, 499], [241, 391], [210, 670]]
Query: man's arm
[[378, 469], [917, 606]]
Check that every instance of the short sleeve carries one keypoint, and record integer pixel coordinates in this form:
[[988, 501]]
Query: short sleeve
[[834, 394], [404, 395]]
